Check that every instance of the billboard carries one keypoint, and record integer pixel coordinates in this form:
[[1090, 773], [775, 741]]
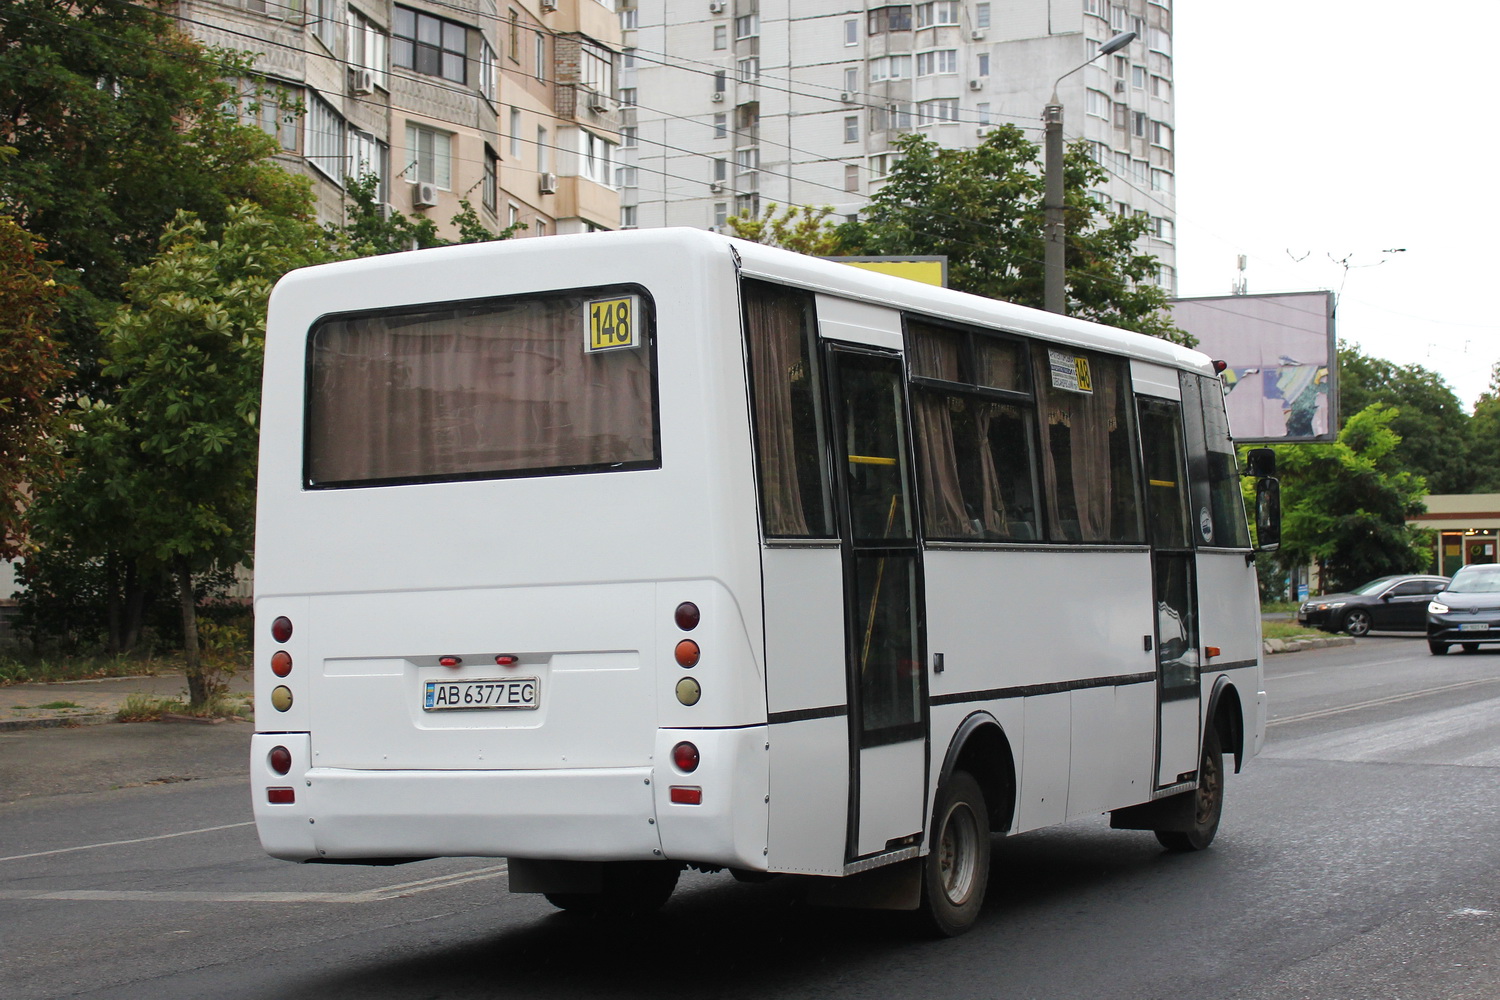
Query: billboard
[[1281, 383], [928, 270]]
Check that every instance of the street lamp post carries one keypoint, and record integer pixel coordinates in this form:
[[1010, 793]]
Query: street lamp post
[[1054, 275]]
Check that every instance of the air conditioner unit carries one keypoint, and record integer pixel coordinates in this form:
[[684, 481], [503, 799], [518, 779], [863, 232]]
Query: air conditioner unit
[[715, 187], [547, 183], [716, 8], [976, 84], [984, 130], [549, 5], [600, 104], [361, 81], [847, 97], [424, 194], [387, 210], [977, 35], [1119, 86], [718, 97]]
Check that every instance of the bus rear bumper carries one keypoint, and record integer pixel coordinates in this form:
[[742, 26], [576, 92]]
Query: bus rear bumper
[[579, 814]]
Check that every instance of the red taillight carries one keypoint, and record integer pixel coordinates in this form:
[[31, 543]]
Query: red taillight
[[281, 796], [450, 661], [683, 795], [507, 660], [685, 756], [281, 663], [280, 759], [281, 629], [687, 616], [687, 653]]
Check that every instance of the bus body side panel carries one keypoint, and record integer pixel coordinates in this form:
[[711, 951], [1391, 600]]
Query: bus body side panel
[[804, 614], [1061, 631], [1227, 585]]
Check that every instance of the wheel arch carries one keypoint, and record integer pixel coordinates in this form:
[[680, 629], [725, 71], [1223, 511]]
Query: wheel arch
[[980, 747], [1226, 714]]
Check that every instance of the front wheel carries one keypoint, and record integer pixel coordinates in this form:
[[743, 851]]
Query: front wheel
[[1208, 801], [1436, 648], [1357, 622], [956, 870]]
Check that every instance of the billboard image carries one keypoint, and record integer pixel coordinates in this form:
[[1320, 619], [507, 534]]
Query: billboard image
[[1281, 380]]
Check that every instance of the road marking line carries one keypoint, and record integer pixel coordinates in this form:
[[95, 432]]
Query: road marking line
[[187, 896], [1375, 703], [122, 843]]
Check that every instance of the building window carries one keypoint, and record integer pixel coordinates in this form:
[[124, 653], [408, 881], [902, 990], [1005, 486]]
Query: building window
[[721, 213], [851, 80], [890, 68], [1138, 123], [1122, 67], [628, 136], [430, 45], [1164, 228], [894, 18], [747, 206], [981, 15], [721, 81], [1162, 180], [1161, 135], [982, 112], [513, 32], [597, 157], [938, 62], [851, 177], [1122, 116], [627, 97], [748, 69], [543, 151], [1097, 103], [325, 139], [938, 112], [515, 132], [747, 26], [368, 46], [1138, 77], [1139, 170], [721, 37], [984, 64], [326, 22], [1166, 276], [625, 177], [487, 70], [721, 169], [880, 165], [851, 128], [512, 215], [1161, 88], [272, 109], [429, 156], [1095, 7], [596, 68], [851, 32], [539, 227], [721, 126], [541, 57], [490, 190], [939, 12], [748, 159], [1118, 16], [630, 19], [627, 216], [367, 158], [1160, 41]]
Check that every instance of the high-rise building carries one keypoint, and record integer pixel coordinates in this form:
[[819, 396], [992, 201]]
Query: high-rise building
[[507, 106], [730, 106]]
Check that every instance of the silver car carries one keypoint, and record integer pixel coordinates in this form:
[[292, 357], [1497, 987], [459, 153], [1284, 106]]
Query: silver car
[[1467, 613]]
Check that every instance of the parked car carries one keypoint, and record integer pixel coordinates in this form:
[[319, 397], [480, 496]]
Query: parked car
[[1467, 612], [1391, 602]]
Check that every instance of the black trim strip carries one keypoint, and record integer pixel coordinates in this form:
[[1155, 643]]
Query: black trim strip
[[1055, 687], [807, 714], [1231, 665]]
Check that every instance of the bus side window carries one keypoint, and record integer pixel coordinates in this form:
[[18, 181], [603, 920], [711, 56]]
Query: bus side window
[[790, 437], [1218, 514], [1088, 449]]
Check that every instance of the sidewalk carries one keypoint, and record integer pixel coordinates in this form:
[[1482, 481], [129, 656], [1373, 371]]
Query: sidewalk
[[84, 703]]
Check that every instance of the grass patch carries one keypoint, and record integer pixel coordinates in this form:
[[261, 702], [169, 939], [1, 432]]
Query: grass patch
[[149, 708], [1288, 630], [1280, 607], [60, 704], [18, 668]]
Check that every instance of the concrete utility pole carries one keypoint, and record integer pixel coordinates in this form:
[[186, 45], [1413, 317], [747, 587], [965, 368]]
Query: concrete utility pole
[[1054, 275]]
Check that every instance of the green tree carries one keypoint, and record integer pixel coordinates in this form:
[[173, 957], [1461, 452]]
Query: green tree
[[1345, 504], [1433, 426], [799, 228], [30, 373], [1484, 438], [369, 230], [162, 476], [984, 209], [117, 121]]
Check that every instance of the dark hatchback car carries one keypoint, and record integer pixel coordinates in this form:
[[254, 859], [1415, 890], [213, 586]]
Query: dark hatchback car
[[1467, 612], [1398, 603]]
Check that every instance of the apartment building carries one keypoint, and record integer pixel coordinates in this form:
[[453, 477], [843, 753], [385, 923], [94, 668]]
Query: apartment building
[[505, 105], [729, 105]]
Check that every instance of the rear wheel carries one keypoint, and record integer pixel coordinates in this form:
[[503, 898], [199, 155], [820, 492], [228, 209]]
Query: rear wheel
[[630, 888], [1357, 622], [1208, 801], [956, 871], [1436, 648]]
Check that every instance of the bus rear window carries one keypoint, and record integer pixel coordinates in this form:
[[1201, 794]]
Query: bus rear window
[[534, 386]]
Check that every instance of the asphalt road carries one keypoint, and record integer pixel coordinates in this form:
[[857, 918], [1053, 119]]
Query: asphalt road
[[1357, 860]]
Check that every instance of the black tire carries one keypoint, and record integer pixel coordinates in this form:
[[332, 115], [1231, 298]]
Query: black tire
[[1208, 801], [956, 871], [1471, 647], [1356, 622], [631, 888], [1437, 648]]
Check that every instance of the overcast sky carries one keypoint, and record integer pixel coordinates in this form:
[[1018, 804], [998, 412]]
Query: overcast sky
[[1339, 130]]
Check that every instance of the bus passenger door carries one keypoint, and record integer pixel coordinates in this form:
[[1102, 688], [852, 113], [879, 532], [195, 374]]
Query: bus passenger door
[[882, 602], [1175, 591]]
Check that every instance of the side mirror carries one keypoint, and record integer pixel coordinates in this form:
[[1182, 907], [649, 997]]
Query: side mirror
[[1267, 512], [1260, 463]]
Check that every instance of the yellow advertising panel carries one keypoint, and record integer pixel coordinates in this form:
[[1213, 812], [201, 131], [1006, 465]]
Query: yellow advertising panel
[[927, 270]]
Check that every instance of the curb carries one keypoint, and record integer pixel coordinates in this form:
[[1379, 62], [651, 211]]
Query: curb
[[1298, 645], [57, 722]]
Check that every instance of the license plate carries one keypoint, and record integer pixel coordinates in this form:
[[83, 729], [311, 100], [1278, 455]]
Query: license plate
[[507, 692], [1474, 627]]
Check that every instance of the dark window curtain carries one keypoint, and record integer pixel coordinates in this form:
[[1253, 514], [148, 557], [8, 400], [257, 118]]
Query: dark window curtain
[[502, 388], [794, 495], [935, 354]]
